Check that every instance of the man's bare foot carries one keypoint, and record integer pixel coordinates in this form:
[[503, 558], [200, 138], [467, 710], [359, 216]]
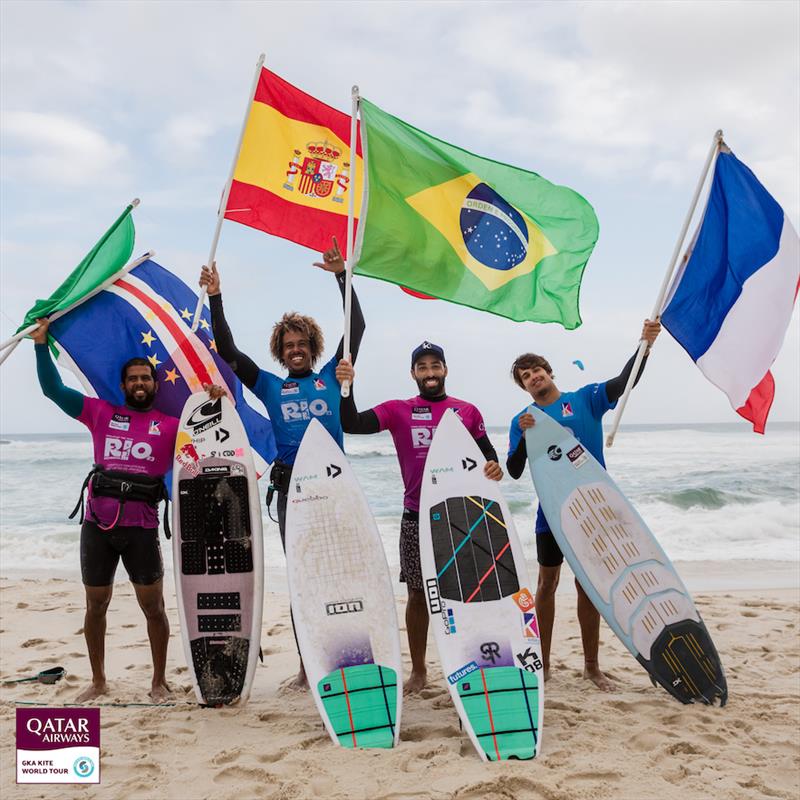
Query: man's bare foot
[[93, 690], [603, 682], [416, 682], [160, 693]]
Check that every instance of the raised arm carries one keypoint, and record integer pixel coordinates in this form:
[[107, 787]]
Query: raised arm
[[615, 387], [245, 368], [332, 261], [68, 400]]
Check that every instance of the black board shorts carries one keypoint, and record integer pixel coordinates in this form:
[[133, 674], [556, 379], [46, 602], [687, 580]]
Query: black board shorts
[[548, 553], [101, 551]]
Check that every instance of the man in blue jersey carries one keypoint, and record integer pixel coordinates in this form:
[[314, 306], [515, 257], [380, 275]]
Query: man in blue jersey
[[582, 412], [292, 401]]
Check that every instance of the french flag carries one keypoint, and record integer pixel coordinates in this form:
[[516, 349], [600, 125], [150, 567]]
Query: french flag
[[732, 301]]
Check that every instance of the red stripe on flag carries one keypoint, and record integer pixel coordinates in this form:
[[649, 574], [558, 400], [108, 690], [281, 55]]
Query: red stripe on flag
[[489, 709], [272, 90], [489, 571], [266, 211], [177, 329], [758, 404]]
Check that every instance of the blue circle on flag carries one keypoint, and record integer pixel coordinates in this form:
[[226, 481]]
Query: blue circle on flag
[[494, 232]]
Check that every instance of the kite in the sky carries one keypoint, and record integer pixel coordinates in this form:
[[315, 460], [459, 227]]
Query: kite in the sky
[[578, 364]]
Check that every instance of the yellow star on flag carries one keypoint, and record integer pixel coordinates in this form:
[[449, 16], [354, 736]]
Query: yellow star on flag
[[148, 338], [213, 345], [203, 324], [194, 383], [150, 315], [186, 314], [172, 376], [153, 359]]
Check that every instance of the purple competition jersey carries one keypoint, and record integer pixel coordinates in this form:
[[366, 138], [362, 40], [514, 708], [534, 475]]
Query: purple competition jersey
[[412, 424], [139, 442]]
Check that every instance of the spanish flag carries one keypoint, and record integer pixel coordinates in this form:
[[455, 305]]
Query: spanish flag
[[294, 175]]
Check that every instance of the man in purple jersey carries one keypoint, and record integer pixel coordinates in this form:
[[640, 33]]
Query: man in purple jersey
[[412, 424], [136, 440]]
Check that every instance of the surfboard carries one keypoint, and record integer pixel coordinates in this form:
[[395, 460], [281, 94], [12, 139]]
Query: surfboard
[[479, 597], [218, 550], [621, 566], [342, 598]]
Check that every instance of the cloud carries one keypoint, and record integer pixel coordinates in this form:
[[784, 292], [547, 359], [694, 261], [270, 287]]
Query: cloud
[[59, 150]]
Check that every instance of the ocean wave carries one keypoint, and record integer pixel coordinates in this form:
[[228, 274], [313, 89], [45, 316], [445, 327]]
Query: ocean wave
[[704, 497]]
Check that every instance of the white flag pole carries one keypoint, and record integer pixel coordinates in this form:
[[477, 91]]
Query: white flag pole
[[658, 307], [348, 275], [10, 345], [224, 201], [17, 337]]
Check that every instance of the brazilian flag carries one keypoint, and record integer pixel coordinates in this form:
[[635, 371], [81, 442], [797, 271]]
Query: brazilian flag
[[442, 221]]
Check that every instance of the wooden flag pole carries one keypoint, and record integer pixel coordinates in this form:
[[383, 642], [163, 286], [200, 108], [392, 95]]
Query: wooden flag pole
[[227, 190], [348, 275], [657, 308]]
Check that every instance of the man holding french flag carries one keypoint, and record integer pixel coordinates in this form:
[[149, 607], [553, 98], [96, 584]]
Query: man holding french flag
[[731, 303]]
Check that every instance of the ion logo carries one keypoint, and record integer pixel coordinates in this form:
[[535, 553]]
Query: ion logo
[[554, 452], [344, 607], [206, 415], [434, 601]]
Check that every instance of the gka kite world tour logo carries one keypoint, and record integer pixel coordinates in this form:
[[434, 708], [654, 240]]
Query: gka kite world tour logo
[[58, 745]]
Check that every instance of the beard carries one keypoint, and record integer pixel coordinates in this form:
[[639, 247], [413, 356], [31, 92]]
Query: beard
[[433, 391], [137, 404]]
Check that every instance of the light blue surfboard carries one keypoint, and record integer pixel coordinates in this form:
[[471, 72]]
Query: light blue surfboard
[[621, 566]]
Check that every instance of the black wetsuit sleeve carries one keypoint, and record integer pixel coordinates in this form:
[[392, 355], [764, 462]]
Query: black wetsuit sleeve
[[515, 463], [245, 368], [615, 387], [357, 325], [354, 421], [487, 448], [68, 400]]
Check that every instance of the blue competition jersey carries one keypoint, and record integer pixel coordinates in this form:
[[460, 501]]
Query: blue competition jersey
[[293, 402], [580, 411]]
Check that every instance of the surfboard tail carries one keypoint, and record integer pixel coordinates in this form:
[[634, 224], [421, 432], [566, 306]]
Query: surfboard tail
[[685, 662]]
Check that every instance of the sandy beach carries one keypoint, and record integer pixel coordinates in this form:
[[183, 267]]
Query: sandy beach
[[636, 742]]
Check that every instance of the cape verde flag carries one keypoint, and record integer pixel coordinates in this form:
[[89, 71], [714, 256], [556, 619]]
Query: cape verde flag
[[730, 305], [148, 312]]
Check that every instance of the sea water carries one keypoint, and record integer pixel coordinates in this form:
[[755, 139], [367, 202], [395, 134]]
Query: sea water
[[708, 492]]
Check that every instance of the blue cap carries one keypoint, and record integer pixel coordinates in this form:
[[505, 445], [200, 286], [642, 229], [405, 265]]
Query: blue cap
[[427, 349]]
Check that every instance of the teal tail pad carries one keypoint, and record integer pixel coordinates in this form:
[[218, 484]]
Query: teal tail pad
[[685, 662], [361, 704], [502, 705]]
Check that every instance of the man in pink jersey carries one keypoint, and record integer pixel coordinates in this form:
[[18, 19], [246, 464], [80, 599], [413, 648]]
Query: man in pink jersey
[[139, 441], [412, 424]]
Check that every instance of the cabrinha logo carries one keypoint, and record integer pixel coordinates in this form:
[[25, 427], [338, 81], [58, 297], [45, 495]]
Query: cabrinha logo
[[318, 172], [58, 745]]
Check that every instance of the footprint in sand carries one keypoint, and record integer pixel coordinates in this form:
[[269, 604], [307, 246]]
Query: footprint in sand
[[33, 643], [22, 605]]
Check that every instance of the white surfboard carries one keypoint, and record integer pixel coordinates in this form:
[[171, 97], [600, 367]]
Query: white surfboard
[[342, 597], [218, 550], [621, 566], [479, 598]]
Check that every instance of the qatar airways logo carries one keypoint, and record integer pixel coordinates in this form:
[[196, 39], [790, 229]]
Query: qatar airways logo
[[126, 449], [58, 730]]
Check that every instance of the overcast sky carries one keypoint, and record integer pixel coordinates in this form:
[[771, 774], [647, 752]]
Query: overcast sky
[[103, 102]]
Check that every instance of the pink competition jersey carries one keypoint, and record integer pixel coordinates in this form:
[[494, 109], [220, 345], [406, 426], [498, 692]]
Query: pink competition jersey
[[141, 442], [412, 424]]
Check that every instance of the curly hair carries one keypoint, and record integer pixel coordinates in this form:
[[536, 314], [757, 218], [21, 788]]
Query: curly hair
[[307, 326], [529, 361]]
